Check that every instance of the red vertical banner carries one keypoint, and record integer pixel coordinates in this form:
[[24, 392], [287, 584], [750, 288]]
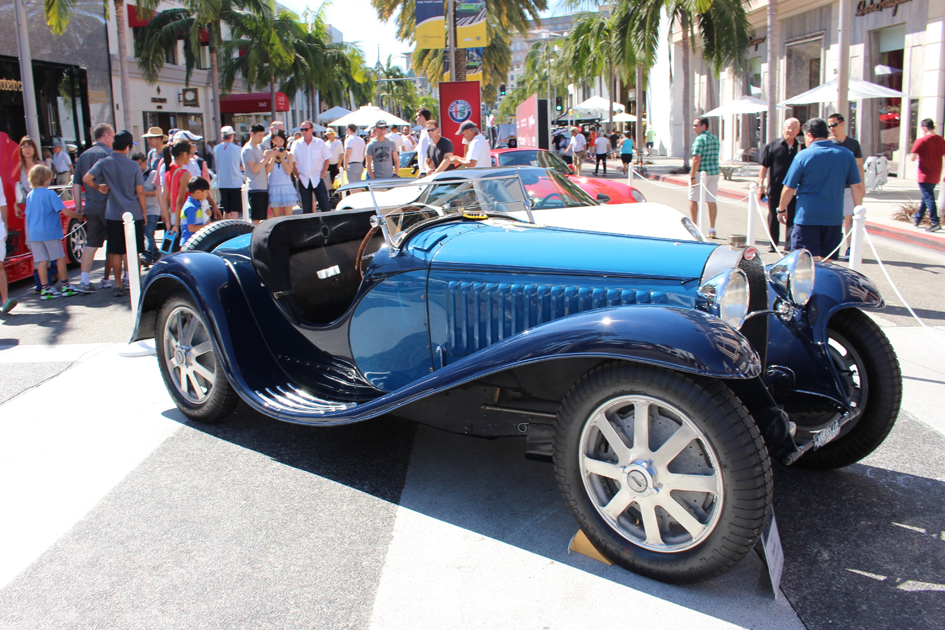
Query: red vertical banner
[[459, 101], [526, 122]]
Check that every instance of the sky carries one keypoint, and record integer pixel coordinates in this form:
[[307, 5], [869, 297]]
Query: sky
[[357, 21]]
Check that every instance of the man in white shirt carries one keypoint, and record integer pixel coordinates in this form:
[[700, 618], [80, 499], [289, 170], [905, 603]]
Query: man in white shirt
[[310, 165], [422, 117], [354, 154], [395, 137], [601, 147], [477, 153], [577, 149], [337, 150], [62, 165], [409, 141]]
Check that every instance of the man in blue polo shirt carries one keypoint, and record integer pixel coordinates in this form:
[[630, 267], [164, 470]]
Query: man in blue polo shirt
[[818, 176]]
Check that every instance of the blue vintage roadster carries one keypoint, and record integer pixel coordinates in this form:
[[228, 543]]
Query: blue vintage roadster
[[659, 375]]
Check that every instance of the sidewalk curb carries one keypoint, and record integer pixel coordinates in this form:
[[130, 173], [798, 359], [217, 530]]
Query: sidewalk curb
[[898, 234], [906, 236]]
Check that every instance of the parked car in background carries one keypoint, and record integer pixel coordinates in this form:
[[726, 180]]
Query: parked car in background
[[603, 190], [19, 259], [660, 375]]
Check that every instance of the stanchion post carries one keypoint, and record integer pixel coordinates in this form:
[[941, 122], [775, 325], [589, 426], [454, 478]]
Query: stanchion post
[[857, 238], [131, 249], [701, 202], [752, 213], [244, 192]]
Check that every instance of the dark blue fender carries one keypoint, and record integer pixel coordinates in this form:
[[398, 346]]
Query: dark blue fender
[[798, 348], [680, 339], [214, 288]]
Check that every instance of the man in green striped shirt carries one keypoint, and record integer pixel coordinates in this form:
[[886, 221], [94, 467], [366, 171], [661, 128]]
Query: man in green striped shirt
[[705, 158]]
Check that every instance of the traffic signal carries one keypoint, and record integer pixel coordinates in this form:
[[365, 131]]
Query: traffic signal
[[558, 104], [502, 90]]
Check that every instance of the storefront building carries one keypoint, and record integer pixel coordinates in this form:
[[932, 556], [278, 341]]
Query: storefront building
[[893, 43], [71, 74]]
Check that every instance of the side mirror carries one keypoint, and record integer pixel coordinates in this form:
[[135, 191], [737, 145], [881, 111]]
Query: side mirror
[[601, 197], [571, 167]]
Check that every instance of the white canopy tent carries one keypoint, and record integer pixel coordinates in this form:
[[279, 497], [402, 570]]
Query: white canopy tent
[[367, 116], [741, 105], [333, 114], [827, 93], [624, 118], [596, 107]]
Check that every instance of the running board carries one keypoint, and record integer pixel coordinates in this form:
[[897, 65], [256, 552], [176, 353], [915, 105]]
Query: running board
[[294, 400]]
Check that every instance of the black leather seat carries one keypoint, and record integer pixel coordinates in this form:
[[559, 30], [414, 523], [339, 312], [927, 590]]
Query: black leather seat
[[308, 262]]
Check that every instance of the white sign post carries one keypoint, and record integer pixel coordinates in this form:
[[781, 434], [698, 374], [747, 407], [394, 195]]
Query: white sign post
[[752, 213], [134, 275]]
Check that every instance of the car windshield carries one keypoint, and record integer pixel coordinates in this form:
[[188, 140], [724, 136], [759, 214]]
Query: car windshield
[[406, 158], [549, 189], [405, 209], [533, 157]]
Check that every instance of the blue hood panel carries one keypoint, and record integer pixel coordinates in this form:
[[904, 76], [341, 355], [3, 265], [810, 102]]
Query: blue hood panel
[[525, 248]]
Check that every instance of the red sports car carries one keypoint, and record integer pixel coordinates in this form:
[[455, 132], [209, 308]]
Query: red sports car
[[19, 260], [603, 190]]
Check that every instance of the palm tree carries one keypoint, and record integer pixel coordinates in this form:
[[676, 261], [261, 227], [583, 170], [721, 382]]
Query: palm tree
[[58, 13], [720, 26], [496, 59], [266, 51], [191, 22], [502, 16], [339, 76], [394, 86]]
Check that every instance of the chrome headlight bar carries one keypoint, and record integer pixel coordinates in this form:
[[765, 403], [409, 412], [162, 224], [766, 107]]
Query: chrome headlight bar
[[792, 277], [728, 295]]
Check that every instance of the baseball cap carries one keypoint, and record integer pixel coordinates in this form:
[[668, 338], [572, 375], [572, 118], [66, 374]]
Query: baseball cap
[[183, 134], [55, 143], [227, 131], [466, 125], [381, 123]]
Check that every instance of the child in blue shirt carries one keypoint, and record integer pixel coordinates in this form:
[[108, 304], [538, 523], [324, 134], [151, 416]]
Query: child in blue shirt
[[193, 214], [44, 231]]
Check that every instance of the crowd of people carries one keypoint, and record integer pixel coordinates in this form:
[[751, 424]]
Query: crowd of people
[[811, 192]]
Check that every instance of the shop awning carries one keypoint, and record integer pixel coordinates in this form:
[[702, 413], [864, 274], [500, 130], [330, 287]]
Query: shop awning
[[136, 19], [256, 103]]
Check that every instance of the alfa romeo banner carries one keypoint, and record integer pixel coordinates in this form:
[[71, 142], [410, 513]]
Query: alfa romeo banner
[[471, 24], [459, 102], [431, 24]]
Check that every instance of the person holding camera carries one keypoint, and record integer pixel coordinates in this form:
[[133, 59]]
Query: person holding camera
[[282, 194]]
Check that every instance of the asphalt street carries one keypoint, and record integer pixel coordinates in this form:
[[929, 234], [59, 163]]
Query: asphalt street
[[122, 514]]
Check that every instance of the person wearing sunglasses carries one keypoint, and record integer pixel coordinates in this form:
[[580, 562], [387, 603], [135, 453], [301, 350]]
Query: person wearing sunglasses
[[837, 127], [381, 154], [311, 157]]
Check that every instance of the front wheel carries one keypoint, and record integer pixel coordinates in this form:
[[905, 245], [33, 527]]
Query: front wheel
[[667, 474], [75, 241], [189, 365], [870, 375]]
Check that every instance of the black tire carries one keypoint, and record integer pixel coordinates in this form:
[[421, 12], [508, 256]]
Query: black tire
[[868, 352], [211, 236], [74, 242], [202, 393], [726, 520]]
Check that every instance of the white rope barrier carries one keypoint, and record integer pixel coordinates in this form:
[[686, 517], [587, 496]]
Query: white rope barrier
[[895, 289]]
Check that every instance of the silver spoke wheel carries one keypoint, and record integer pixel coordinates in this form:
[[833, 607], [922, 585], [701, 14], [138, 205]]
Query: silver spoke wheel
[[651, 473], [76, 241], [188, 355]]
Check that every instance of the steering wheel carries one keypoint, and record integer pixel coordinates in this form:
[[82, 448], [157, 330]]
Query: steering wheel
[[543, 202], [359, 259]]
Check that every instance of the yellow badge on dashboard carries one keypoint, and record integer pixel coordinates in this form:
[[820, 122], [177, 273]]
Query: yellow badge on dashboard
[[472, 215]]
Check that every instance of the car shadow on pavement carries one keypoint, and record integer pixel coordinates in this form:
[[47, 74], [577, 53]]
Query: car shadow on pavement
[[864, 546]]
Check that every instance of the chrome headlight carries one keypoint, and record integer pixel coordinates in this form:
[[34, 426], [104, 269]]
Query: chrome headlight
[[728, 295], [693, 230], [792, 277], [637, 195]]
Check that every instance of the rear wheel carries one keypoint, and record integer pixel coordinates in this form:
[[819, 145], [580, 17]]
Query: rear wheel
[[211, 236], [870, 375], [75, 241], [189, 365], [666, 473]]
